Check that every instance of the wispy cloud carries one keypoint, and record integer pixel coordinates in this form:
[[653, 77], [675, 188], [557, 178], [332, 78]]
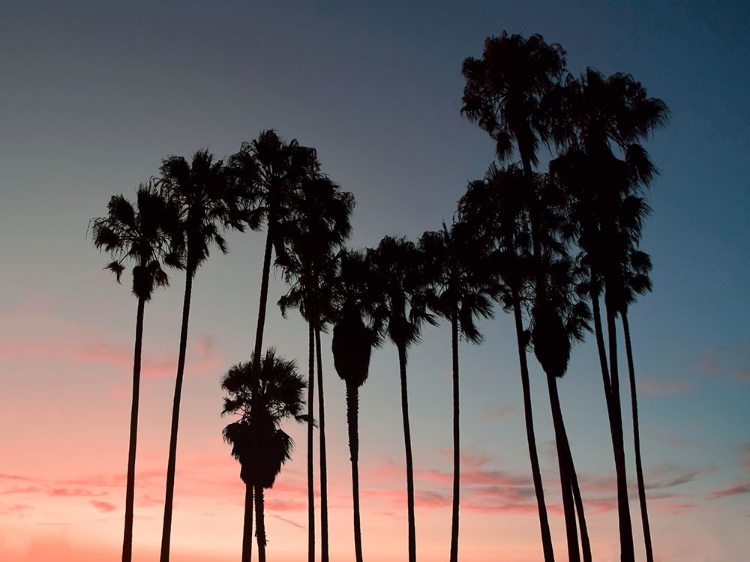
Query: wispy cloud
[[729, 362], [738, 488], [664, 387], [104, 507]]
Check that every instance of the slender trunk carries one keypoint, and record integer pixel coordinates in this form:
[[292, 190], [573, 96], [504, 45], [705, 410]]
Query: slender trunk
[[260, 523], [166, 534], [409, 460], [247, 530], [549, 554], [627, 552], [599, 332], [310, 422], [255, 374], [563, 458], [352, 418], [323, 458], [637, 440], [456, 440], [585, 542], [127, 541]]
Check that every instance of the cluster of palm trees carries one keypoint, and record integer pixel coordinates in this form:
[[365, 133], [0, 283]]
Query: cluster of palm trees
[[547, 246]]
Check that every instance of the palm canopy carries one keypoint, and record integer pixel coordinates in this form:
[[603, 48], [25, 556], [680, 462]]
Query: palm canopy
[[262, 448], [505, 88], [138, 234], [207, 201], [460, 277]]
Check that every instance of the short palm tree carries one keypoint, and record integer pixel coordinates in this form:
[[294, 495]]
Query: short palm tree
[[135, 234], [257, 440], [356, 331], [461, 288], [206, 202]]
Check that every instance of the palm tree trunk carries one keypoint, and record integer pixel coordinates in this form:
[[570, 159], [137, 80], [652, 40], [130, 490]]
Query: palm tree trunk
[[166, 534], [310, 470], [260, 526], [627, 552], [127, 541], [549, 553], [409, 460], [599, 332], [585, 542], [456, 440], [352, 417], [637, 440], [323, 459], [261, 312], [247, 530], [563, 458]]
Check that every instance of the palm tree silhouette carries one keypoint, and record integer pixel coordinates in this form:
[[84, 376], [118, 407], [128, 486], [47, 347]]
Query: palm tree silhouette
[[257, 440], [320, 226], [206, 201], [461, 287], [497, 208], [603, 165], [137, 235], [398, 265], [355, 296]]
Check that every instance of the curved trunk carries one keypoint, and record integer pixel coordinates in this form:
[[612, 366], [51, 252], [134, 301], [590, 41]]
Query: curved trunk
[[564, 458], [456, 440], [637, 441], [549, 554], [260, 526], [627, 553], [247, 529], [599, 333], [323, 458], [585, 542], [172, 462], [409, 460], [310, 422], [352, 418], [127, 541]]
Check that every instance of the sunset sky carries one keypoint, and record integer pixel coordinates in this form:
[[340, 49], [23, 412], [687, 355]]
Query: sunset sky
[[95, 94]]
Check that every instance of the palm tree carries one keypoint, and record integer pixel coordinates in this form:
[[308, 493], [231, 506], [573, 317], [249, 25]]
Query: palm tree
[[135, 234], [257, 440], [461, 288], [206, 201], [603, 165], [320, 226], [497, 208], [398, 264], [355, 296]]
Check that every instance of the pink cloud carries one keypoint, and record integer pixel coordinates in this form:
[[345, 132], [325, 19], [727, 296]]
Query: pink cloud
[[745, 457], [73, 492], [500, 412], [738, 488], [104, 507], [285, 520], [729, 362], [669, 387]]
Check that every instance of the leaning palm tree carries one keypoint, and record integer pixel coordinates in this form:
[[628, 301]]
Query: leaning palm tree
[[356, 331], [206, 202], [257, 440], [461, 288], [135, 234], [320, 227], [398, 264]]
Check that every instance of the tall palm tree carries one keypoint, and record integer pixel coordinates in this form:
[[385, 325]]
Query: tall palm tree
[[206, 202], [497, 208], [356, 331], [602, 123], [135, 234], [321, 225], [398, 264], [461, 288], [257, 440]]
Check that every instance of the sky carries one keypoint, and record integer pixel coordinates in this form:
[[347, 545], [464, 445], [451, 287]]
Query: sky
[[94, 95]]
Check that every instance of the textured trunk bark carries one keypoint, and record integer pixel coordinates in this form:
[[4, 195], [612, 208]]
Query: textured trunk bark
[[409, 460], [127, 541], [247, 529], [456, 440], [310, 469], [549, 553], [352, 417], [323, 458], [637, 441], [172, 462], [260, 523]]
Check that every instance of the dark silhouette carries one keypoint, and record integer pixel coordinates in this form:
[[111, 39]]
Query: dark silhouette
[[257, 440], [355, 298], [205, 201], [137, 235], [461, 287]]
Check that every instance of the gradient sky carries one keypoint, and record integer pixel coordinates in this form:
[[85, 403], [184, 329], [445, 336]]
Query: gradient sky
[[94, 95]]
